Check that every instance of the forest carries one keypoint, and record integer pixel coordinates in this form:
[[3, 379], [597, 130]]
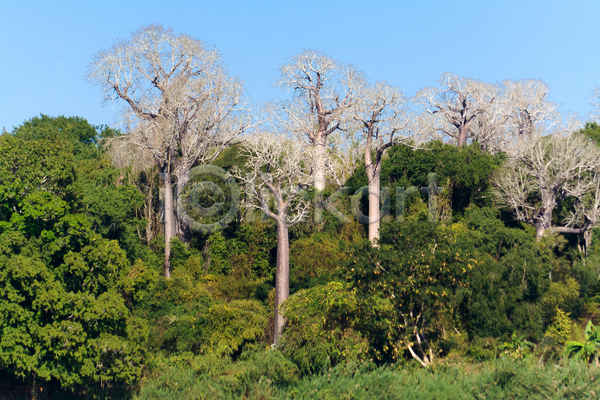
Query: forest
[[347, 242]]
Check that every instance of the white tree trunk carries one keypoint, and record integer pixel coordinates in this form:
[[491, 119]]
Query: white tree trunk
[[373, 179], [320, 160], [282, 275], [544, 217], [169, 222]]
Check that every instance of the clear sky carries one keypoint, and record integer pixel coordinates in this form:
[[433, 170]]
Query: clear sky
[[45, 46]]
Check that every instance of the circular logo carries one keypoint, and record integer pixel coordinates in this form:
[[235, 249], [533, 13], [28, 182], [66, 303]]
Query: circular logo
[[208, 190]]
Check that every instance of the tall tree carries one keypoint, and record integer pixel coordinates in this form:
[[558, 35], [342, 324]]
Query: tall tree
[[324, 90], [521, 108], [455, 105], [548, 170], [527, 108], [278, 168], [179, 103], [384, 115], [490, 130]]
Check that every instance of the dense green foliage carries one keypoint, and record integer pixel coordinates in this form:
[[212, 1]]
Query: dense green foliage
[[86, 312], [322, 328], [65, 320]]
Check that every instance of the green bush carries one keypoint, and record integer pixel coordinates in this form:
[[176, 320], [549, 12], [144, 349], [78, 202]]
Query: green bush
[[208, 326], [313, 260], [560, 329], [320, 327]]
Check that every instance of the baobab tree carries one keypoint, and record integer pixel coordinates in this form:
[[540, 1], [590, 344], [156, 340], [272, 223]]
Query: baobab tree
[[490, 130], [586, 212], [278, 168], [521, 108], [526, 107], [324, 91], [547, 170], [179, 102], [384, 115], [456, 104]]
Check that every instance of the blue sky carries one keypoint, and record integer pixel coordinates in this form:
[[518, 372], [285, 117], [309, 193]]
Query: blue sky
[[45, 46]]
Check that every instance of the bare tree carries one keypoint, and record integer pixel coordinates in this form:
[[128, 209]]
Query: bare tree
[[491, 132], [280, 167], [179, 103], [456, 104], [343, 156], [546, 171], [526, 107], [586, 212], [324, 90], [521, 108], [383, 112]]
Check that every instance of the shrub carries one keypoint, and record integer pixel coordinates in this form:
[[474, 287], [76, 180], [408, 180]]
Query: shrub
[[320, 327], [560, 329]]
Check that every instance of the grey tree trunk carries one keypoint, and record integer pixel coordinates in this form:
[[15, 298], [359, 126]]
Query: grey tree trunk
[[282, 275], [543, 219], [321, 158], [373, 178], [170, 223], [462, 135], [540, 227], [543, 225]]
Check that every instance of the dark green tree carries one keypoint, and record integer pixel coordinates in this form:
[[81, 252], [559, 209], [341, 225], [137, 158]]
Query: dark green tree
[[65, 321], [412, 287]]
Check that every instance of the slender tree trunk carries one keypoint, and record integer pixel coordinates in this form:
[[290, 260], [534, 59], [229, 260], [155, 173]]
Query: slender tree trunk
[[321, 159], [373, 178], [282, 275], [169, 221]]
